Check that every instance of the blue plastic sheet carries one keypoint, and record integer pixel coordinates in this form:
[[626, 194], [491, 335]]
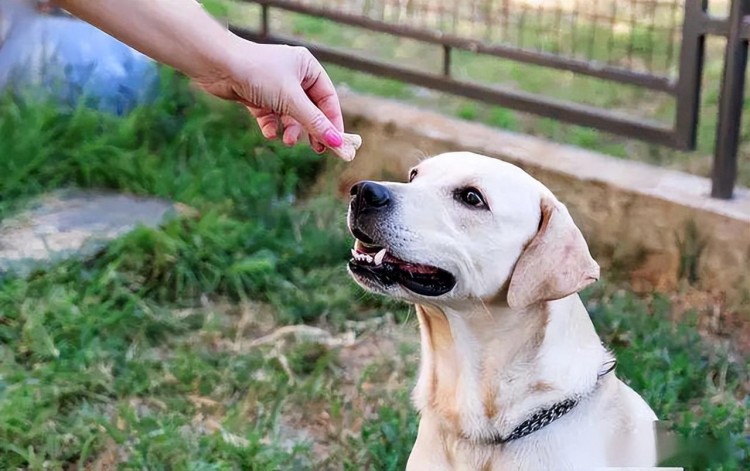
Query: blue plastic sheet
[[68, 60]]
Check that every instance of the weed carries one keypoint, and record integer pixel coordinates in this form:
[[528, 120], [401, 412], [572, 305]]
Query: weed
[[136, 355]]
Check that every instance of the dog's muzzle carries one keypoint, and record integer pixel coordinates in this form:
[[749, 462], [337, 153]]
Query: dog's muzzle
[[369, 201], [369, 197], [373, 259]]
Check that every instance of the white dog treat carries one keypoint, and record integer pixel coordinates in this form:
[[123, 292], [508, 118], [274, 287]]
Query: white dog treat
[[348, 149]]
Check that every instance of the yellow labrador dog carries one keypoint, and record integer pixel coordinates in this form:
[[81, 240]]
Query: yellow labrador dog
[[512, 375]]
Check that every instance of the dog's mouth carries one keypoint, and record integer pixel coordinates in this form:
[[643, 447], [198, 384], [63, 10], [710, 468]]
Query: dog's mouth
[[374, 263]]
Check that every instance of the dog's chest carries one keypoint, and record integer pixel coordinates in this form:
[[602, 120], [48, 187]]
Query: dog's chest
[[562, 446], [575, 441]]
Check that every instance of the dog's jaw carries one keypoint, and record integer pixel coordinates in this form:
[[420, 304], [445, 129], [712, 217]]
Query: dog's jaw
[[379, 267]]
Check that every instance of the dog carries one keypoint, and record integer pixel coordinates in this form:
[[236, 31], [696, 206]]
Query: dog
[[512, 373]]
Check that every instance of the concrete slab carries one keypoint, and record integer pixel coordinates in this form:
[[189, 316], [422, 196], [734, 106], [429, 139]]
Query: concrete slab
[[73, 223]]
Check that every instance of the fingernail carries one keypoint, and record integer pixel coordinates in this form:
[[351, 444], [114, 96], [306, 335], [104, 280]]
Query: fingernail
[[333, 138]]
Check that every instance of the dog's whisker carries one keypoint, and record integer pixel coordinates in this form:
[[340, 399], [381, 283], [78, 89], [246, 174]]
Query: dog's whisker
[[418, 156], [486, 309]]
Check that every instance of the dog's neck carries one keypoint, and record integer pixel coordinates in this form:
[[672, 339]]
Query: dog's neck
[[484, 368]]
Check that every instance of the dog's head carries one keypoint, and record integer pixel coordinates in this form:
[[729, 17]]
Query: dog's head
[[466, 226]]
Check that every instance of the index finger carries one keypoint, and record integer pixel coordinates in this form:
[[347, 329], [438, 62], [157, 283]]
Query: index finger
[[323, 94]]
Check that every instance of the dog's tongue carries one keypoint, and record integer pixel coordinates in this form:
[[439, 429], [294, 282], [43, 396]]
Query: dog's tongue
[[421, 269], [410, 267]]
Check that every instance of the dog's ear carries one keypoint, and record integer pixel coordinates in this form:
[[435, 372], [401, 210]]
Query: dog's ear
[[555, 264]]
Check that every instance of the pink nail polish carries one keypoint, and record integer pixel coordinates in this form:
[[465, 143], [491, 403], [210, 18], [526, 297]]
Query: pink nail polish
[[333, 139]]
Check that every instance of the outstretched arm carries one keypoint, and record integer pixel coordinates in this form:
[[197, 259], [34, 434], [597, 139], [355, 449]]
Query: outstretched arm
[[278, 84]]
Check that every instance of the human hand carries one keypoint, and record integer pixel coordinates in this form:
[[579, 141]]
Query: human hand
[[282, 86]]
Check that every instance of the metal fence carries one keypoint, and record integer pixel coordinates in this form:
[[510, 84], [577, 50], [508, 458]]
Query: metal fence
[[652, 44]]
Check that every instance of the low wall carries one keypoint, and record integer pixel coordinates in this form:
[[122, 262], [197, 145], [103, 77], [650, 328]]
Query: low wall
[[658, 225]]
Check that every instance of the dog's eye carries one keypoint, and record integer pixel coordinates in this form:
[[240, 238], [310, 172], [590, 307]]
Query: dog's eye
[[412, 174], [471, 197]]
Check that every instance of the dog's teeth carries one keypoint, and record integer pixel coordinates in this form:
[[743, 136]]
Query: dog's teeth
[[379, 257], [354, 253], [369, 259]]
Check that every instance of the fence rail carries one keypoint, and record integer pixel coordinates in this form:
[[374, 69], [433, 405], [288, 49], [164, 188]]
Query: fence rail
[[655, 45]]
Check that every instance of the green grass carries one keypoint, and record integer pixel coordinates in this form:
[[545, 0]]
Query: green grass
[[686, 380], [143, 354]]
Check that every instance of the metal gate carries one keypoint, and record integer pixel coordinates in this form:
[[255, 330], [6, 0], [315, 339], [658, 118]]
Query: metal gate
[[684, 85]]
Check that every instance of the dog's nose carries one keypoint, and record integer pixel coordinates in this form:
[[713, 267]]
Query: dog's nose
[[371, 194]]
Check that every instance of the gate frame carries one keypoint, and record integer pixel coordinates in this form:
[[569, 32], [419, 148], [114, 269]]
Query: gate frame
[[686, 89]]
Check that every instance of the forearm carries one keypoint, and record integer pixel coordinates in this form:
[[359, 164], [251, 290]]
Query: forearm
[[281, 86], [178, 33]]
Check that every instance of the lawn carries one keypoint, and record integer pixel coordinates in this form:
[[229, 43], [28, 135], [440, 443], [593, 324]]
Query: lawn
[[155, 354]]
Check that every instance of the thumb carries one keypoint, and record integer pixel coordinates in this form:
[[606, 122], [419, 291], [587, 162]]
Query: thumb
[[315, 122]]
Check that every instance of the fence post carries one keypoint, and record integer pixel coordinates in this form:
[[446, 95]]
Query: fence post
[[446, 61], [264, 20], [690, 74], [731, 96]]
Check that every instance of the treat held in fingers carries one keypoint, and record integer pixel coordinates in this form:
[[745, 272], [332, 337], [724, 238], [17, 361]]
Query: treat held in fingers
[[348, 148]]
